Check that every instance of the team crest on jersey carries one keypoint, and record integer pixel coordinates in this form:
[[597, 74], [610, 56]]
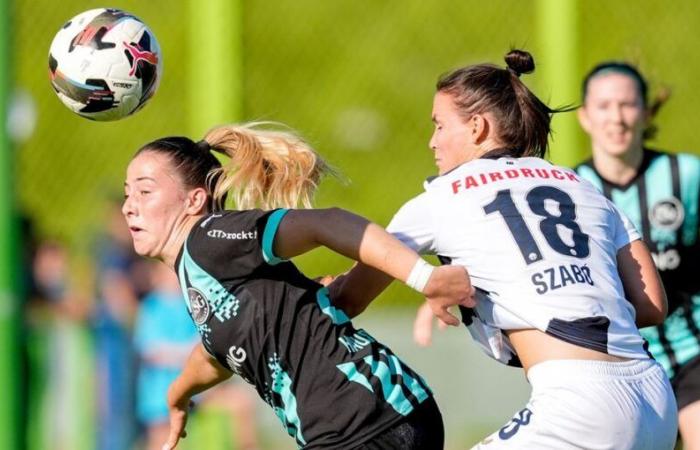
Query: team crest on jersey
[[199, 306], [667, 214]]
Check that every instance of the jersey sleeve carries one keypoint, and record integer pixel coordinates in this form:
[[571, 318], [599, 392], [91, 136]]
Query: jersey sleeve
[[268, 237], [624, 231], [413, 225]]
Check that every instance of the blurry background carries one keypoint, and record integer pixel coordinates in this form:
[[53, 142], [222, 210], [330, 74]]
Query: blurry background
[[357, 80]]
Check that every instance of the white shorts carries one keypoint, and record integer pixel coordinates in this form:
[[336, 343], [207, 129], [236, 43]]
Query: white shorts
[[593, 405]]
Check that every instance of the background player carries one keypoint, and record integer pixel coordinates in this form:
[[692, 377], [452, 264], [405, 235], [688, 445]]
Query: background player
[[660, 193]]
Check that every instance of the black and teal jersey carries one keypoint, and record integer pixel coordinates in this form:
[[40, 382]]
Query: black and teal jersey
[[662, 201], [331, 385]]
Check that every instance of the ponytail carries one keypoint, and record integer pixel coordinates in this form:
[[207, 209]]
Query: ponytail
[[659, 100], [267, 168]]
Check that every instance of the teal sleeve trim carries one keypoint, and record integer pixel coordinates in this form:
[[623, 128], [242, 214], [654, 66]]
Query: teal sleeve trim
[[273, 222]]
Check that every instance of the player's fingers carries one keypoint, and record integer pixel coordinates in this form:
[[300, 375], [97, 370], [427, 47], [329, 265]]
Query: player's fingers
[[324, 280], [447, 317], [423, 329], [468, 302], [170, 445], [177, 430], [422, 339], [173, 439]]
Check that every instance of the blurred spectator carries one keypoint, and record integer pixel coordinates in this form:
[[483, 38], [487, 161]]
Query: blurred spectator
[[27, 386], [120, 282], [164, 336], [56, 315]]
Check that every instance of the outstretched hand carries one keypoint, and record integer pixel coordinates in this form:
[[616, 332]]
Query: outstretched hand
[[178, 410], [423, 326], [449, 286]]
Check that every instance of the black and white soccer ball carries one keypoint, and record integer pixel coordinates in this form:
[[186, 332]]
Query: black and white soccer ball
[[105, 64]]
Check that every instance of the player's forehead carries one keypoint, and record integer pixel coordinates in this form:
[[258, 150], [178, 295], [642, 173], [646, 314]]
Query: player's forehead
[[444, 107], [150, 167], [612, 86]]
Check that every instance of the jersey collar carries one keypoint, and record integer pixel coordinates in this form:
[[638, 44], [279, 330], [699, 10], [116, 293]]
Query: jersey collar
[[496, 153], [647, 157]]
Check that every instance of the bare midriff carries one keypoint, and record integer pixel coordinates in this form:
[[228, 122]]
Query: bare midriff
[[534, 346]]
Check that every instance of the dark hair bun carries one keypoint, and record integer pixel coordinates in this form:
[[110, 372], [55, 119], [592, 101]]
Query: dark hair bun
[[520, 61], [203, 146]]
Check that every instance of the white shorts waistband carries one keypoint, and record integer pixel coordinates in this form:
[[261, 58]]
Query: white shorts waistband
[[555, 372]]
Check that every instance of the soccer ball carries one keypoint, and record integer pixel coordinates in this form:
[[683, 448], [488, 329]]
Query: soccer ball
[[104, 64]]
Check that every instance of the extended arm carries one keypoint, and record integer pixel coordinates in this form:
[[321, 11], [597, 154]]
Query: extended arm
[[354, 291], [642, 283], [345, 233], [201, 372], [357, 238]]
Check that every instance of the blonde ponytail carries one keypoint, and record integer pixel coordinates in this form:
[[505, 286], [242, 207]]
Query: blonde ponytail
[[267, 168]]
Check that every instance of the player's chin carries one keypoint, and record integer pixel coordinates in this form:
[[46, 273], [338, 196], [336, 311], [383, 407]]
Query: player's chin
[[619, 148], [143, 248]]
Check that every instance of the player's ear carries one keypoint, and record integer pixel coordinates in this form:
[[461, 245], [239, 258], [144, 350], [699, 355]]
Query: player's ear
[[583, 119], [478, 128], [196, 201]]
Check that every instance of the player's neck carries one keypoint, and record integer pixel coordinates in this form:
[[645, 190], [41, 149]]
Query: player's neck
[[618, 169], [177, 239]]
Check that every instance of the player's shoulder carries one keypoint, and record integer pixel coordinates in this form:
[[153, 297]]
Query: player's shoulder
[[689, 161], [688, 164], [216, 233], [230, 217], [655, 153], [586, 164], [229, 224]]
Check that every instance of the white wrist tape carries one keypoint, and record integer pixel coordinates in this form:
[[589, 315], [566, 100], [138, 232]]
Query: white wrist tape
[[419, 276]]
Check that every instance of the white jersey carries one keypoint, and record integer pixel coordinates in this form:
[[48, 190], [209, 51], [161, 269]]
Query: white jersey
[[540, 241]]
